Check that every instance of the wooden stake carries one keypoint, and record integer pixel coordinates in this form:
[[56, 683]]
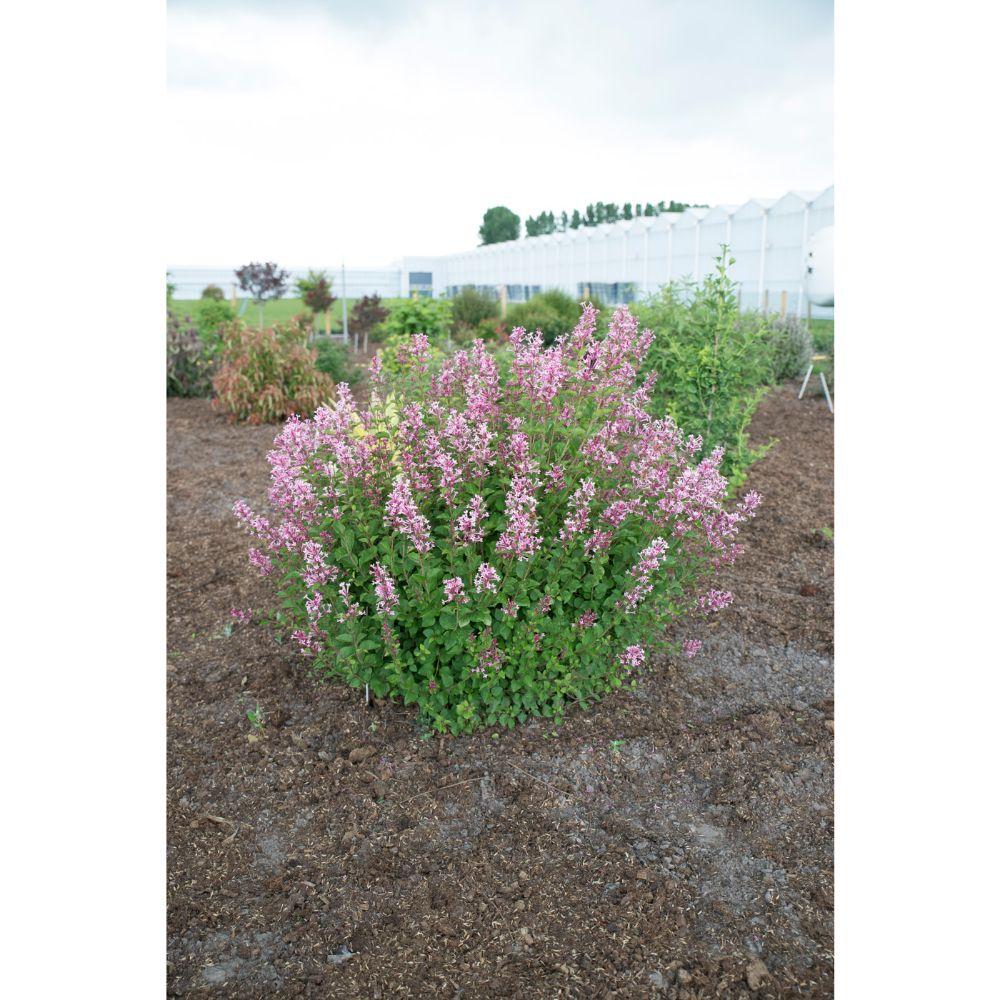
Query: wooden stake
[[784, 303], [766, 294]]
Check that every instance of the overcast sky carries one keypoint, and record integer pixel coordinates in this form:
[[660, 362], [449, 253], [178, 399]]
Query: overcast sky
[[310, 131]]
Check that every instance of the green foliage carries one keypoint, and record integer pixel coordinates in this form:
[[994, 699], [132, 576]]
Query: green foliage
[[213, 292], [822, 335], [500, 224], [470, 307], [189, 368], [316, 292], [711, 364], [553, 312], [332, 360], [543, 225], [211, 315], [787, 342], [595, 214], [391, 361], [431, 317]]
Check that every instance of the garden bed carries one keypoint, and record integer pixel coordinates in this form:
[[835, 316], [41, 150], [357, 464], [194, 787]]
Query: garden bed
[[667, 842]]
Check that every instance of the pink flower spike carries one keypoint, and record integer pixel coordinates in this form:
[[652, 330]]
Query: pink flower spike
[[487, 578], [385, 590], [469, 524], [715, 600], [454, 590], [632, 657], [402, 514]]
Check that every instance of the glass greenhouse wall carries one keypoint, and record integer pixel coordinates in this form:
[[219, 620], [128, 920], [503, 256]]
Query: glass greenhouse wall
[[616, 262], [623, 261]]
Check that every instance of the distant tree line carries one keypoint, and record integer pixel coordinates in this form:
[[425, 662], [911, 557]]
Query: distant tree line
[[597, 213], [500, 224]]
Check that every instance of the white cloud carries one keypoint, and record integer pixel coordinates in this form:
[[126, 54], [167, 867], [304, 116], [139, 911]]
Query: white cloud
[[307, 132]]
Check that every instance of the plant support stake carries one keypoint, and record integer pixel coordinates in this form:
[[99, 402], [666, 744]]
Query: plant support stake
[[343, 297]]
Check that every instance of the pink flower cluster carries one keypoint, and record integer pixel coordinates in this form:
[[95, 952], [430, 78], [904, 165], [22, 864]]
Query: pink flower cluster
[[649, 562], [352, 609], [470, 522], [454, 590], [715, 600], [317, 570], [691, 647], [632, 657], [489, 659], [385, 590], [579, 510], [487, 579], [521, 539], [401, 514]]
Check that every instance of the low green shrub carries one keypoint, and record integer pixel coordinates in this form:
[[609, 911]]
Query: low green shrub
[[211, 316], [470, 308], [431, 317], [788, 345], [267, 375], [822, 335], [213, 293], [490, 546], [553, 312], [394, 351], [712, 365], [332, 360]]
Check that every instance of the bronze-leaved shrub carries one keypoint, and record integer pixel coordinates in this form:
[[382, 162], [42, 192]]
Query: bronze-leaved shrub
[[268, 375]]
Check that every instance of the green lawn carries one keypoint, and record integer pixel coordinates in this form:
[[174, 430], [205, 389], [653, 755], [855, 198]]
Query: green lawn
[[822, 333], [277, 311]]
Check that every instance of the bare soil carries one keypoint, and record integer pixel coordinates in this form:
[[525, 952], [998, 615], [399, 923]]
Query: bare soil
[[675, 841]]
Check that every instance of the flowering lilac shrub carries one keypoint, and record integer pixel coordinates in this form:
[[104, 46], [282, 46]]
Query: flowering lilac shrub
[[495, 546]]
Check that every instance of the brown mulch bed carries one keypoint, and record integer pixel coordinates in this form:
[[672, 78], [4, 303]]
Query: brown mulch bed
[[675, 841]]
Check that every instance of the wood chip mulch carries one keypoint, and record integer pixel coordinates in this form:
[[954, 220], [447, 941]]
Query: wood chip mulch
[[675, 841]]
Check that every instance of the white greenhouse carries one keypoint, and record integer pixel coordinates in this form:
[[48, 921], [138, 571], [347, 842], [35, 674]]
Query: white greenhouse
[[623, 261], [615, 262]]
